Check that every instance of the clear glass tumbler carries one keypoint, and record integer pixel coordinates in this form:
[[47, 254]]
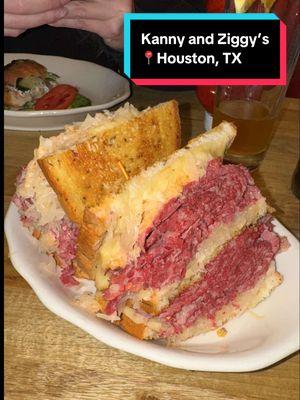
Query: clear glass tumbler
[[255, 109]]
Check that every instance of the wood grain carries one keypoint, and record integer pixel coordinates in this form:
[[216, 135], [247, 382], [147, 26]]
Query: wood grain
[[47, 358]]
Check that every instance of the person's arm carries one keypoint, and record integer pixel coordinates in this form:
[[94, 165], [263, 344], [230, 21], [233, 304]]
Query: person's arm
[[20, 15]]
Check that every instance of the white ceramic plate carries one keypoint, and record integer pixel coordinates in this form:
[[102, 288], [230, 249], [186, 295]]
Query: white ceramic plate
[[104, 87], [255, 340]]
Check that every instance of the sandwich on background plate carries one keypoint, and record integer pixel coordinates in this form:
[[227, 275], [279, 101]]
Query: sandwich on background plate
[[84, 163], [33, 75], [184, 246]]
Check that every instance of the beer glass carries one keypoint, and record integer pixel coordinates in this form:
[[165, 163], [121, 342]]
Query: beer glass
[[255, 109]]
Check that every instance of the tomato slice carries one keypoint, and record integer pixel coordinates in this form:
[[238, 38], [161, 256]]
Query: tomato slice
[[58, 98]]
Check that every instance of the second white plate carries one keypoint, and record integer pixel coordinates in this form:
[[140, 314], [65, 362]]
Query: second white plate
[[104, 87]]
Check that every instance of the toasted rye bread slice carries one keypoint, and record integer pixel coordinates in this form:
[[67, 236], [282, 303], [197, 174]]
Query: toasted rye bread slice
[[82, 175], [134, 324]]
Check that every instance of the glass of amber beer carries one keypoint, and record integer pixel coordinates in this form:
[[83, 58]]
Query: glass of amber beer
[[255, 109]]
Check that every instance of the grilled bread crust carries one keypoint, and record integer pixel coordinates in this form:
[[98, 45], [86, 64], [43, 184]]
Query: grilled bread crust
[[81, 176]]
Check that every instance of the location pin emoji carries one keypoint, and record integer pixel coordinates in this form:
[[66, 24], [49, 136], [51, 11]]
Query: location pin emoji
[[148, 55]]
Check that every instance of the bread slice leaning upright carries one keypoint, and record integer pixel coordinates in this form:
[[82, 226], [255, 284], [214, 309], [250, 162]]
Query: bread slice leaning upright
[[184, 246], [82, 174]]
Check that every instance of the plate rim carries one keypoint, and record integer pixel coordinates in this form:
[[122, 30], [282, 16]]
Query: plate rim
[[177, 358]]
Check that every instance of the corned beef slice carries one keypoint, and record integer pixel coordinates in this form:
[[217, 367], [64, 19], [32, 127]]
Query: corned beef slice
[[236, 269], [181, 226], [65, 234]]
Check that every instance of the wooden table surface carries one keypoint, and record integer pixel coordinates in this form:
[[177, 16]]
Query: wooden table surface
[[48, 358]]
